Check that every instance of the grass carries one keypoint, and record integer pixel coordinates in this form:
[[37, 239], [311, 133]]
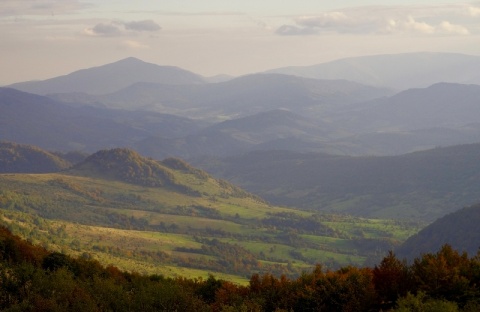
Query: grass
[[141, 228]]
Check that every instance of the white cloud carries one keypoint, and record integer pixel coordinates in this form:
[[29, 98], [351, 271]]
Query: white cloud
[[414, 20], [474, 11], [449, 28], [119, 28], [411, 25]]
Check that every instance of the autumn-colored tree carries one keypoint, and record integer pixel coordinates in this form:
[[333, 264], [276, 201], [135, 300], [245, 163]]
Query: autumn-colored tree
[[392, 280], [443, 275]]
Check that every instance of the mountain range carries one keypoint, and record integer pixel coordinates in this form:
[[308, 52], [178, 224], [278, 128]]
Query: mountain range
[[239, 97], [397, 71], [164, 111]]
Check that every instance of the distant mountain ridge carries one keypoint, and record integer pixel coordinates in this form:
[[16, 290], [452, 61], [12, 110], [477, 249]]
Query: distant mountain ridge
[[110, 78], [238, 136], [439, 105], [238, 97], [398, 71]]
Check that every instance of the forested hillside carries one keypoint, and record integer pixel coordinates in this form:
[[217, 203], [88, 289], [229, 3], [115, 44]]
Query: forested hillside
[[425, 185], [459, 229], [18, 158]]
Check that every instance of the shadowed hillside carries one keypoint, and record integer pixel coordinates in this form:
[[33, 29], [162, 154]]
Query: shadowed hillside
[[20, 158], [458, 229], [424, 185]]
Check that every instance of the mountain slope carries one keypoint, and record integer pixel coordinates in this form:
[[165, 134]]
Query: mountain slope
[[17, 158], [458, 229], [37, 120], [440, 105], [422, 185], [398, 71], [110, 78]]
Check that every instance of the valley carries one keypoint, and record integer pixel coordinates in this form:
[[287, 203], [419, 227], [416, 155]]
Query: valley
[[182, 222], [316, 169]]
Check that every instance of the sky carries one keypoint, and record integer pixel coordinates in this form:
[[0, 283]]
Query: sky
[[40, 39]]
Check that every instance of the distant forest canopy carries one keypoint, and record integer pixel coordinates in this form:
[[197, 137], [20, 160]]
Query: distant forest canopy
[[33, 278]]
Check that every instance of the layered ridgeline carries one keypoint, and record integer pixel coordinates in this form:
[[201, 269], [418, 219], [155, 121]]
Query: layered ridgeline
[[422, 185], [458, 229], [32, 119], [110, 78], [239, 97], [333, 116], [18, 158], [168, 217]]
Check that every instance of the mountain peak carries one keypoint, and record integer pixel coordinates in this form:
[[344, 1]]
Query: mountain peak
[[111, 77]]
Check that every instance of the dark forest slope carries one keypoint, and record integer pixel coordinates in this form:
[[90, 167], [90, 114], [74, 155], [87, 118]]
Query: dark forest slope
[[458, 229]]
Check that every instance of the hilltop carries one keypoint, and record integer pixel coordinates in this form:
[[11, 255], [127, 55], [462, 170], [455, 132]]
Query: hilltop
[[22, 158]]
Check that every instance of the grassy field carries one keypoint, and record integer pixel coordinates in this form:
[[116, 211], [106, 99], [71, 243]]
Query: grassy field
[[214, 228]]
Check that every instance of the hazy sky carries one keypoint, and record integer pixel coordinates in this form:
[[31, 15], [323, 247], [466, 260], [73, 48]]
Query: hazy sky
[[46, 38]]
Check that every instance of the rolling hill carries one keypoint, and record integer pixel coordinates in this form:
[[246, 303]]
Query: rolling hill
[[20, 158], [397, 71], [166, 217], [110, 78]]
